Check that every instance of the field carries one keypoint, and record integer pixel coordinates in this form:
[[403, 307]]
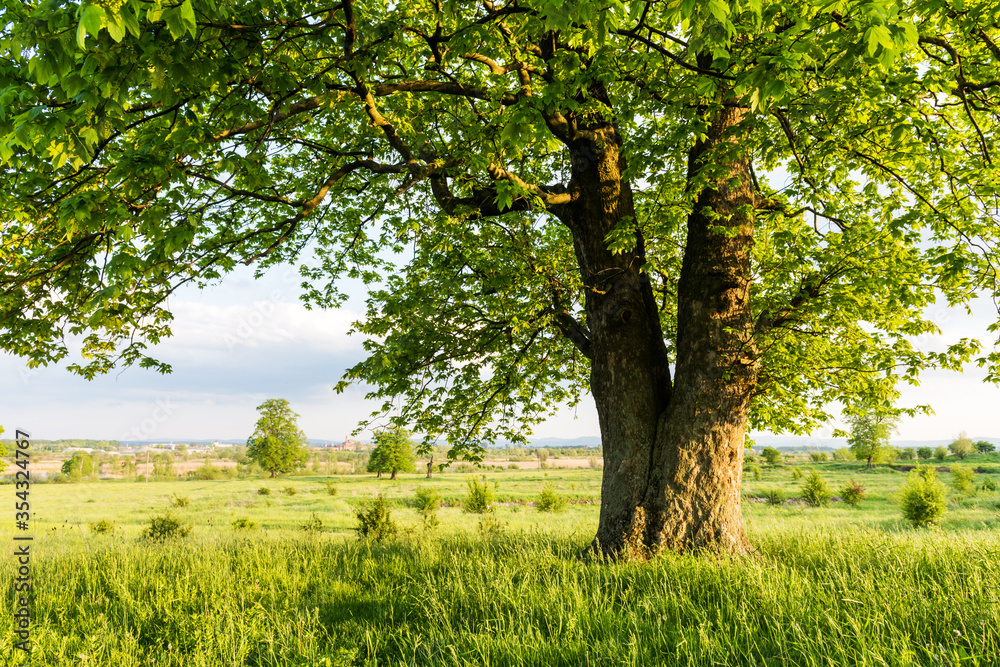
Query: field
[[834, 585]]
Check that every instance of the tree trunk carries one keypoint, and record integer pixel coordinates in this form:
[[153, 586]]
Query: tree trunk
[[274, 473], [430, 466], [870, 461], [393, 475], [673, 452]]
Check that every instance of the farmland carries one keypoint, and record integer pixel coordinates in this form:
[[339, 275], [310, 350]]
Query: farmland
[[828, 585]]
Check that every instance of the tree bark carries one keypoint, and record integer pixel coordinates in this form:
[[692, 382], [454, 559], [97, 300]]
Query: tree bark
[[430, 466], [393, 475], [673, 450]]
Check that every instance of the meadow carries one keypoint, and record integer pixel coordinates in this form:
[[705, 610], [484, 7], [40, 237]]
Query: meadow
[[834, 585]]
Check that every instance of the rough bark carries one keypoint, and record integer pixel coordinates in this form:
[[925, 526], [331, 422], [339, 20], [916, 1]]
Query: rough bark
[[673, 452]]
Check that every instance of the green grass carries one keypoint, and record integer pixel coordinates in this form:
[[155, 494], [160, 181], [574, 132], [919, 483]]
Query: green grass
[[829, 586]]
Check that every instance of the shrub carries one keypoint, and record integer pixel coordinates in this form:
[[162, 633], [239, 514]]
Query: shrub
[[289, 491], [208, 472], [375, 520], [984, 447], [244, 523], [103, 526], [924, 452], [749, 459], [480, 497], [166, 526], [988, 484], [843, 454], [907, 454], [331, 490], [962, 446], [772, 456], [427, 500], [179, 501], [595, 463], [796, 473], [263, 491], [853, 492], [775, 497], [464, 468], [513, 466], [961, 479], [940, 453], [314, 524], [815, 491], [923, 496], [490, 527], [550, 501], [818, 456], [754, 470]]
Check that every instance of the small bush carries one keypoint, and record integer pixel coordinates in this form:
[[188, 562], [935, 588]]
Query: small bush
[[797, 474], [490, 528], [464, 468], [427, 500], [961, 479], [815, 491], [243, 523], [924, 452], [843, 454], [595, 463], [289, 491], [753, 470], [314, 524], [103, 526], [513, 466], [331, 490], [375, 520], [480, 497], [208, 472], [907, 454], [940, 453], [853, 492], [749, 459], [923, 497], [818, 456], [166, 526], [988, 484], [263, 491], [550, 501], [179, 501], [772, 456], [775, 497]]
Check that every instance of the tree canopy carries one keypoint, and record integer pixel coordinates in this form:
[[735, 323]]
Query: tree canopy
[[393, 452], [742, 204], [870, 432], [277, 444]]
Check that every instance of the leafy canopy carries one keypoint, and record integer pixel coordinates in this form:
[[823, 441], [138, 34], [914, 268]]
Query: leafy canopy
[[277, 444], [393, 451], [425, 147]]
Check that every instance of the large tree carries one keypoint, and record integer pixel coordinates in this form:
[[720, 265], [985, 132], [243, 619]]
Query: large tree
[[870, 432], [277, 444], [711, 215], [393, 452]]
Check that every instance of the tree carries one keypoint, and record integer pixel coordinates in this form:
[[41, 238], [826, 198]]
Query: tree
[[962, 446], [277, 444], [713, 217], [771, 455], [77, 467], [393, 452], [870, 432], [984, 447], [924, 452], [940, 453]]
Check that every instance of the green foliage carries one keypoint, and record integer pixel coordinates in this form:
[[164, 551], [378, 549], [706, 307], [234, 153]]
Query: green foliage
[[289, 491], [984, 447], [843, 454], [313, 524], [775, 496], [393, 452], [179, 501], [550, 501], [754, 470], [852, 493], [907, 454], [331, 490], [77, 467], [818, 457], [243, 523], [490, 527], [797, 473], [962, 446], [962, 479], [988, 484], [940, 453], [870, 432], [166, 526], [263, 491], [427, 499], [102, 526], [815, 490], [209, 472], [925, 452], [375, 520], [923, 497], [277, 443], [480, 496], [772, 456]]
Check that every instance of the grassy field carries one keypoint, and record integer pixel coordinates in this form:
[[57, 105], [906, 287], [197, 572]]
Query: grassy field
[[830, 586]]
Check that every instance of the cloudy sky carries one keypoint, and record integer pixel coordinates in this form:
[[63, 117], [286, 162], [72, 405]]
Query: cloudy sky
[[244, 341]]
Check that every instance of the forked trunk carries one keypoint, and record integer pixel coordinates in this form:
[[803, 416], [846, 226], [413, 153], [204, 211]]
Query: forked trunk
[[673, 452]]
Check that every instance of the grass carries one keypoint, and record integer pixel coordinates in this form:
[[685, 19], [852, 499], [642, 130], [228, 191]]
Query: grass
[[830, 586]]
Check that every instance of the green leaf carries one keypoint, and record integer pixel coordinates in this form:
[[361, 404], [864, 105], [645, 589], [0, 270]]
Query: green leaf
[[91, 21], [188, 18]]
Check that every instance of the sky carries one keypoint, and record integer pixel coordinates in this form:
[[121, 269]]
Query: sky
[[244, 341]]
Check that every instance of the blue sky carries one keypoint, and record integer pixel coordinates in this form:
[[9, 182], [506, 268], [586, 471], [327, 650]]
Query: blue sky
[[247, 340]]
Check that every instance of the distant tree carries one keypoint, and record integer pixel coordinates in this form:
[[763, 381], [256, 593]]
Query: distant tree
[[78, 466], [277, 444], [940, 453], [870, 431], [984, 447], [771, 455], [907, 454], [393, 452], [962, 446], [924, 452], [163, 466]]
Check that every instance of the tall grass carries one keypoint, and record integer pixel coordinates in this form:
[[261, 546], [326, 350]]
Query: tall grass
[[811, 597]]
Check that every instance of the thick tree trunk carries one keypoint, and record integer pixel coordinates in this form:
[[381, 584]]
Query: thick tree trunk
[[430, 466], [673, 452], [393, 475]]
